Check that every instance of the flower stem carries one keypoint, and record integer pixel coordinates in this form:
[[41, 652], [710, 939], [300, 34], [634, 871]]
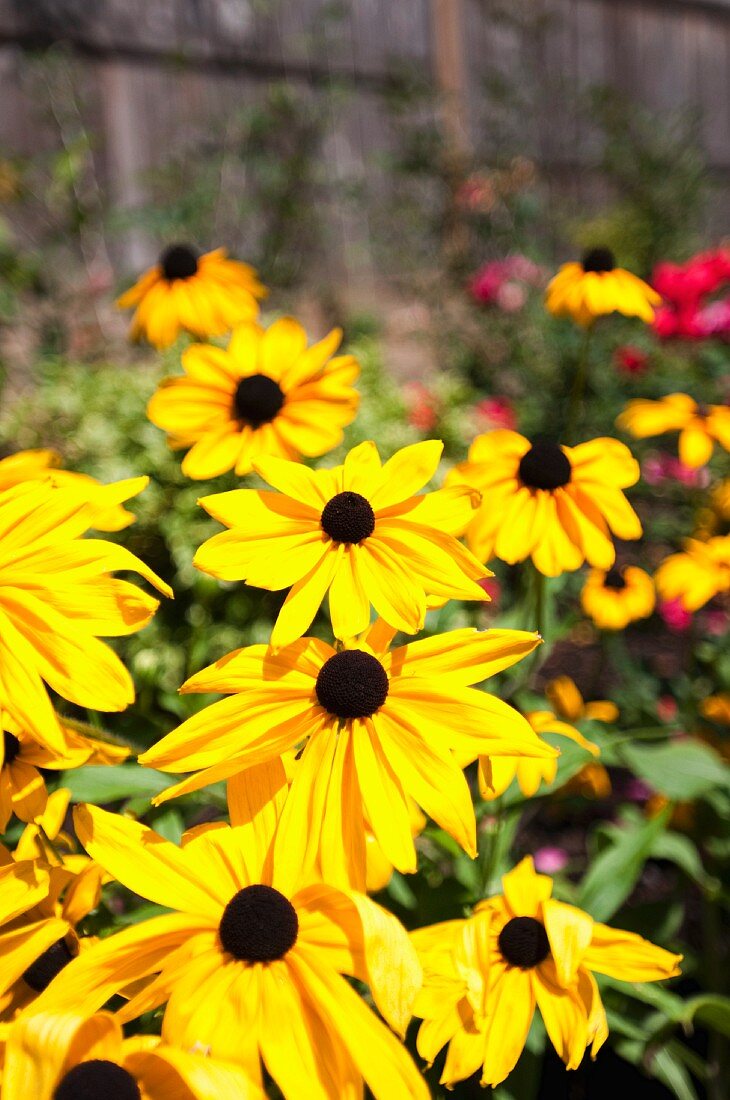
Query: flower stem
[[577, 391]]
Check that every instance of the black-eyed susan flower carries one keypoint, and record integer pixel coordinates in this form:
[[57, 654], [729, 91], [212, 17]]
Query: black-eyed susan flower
[[616, 597], [66, 1056], [543, 500], [698, 574], [205, 295], [40, 943], [44, 465], [596, 286], [375, 727], [484, 976], [250, 962], [699, 426], [267, 393], [362, 532], [22, 783], [56, 598], [497, 773]]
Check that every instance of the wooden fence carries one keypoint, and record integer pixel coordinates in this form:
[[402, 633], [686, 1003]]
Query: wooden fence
[[149, 73]]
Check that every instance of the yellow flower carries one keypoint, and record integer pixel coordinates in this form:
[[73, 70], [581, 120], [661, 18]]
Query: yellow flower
[[358, 531], [56, 598], [22, 786], [717, 708], [595, 286], [204, 295], [66, 1056], [618, 597], [570, 705], [42, 466], [698, 574], [557, 504], [483, 977], [38, 945], [377, 727], [267, 393], [497, 773], [699, 426], [250, 962]]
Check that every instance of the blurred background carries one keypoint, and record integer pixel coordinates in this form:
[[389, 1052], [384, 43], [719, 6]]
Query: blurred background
[[364, 155]]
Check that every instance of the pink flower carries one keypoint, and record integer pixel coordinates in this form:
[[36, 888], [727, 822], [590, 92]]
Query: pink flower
[[631, 360], [550, 860], [422, 405], [636, 790], [493, 589], [505, 282], [685, 314], [659, 468], [675, 617], [666, 708], [495, 412]]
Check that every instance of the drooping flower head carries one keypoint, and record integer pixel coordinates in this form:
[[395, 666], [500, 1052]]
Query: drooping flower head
[[266, 394], [362, 532], [699, 426], [41, 942], [698, 574], [249, 964], [67, 1056], [43, 465], [483, 977], [377, 728], [616, 597], [22, 783], [497, 773], [57, 596], [555, 504], [596, 286], [205, 295]]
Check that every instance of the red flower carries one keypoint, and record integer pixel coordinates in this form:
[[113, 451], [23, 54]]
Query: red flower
[[631, 360], [423, 406], [496, 412], [685, 314]]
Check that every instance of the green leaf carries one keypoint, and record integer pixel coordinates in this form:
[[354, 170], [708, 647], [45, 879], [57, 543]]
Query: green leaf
[[680, 850], [709, 1009], [614, 873], [681, 770], [668, 1068], [98, 783]]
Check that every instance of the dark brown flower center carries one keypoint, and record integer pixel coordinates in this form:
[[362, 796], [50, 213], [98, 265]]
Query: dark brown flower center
[[545, 466], [348, 517], [41, 973], [12, 747], [352, 684], [599, 259], [179, 261], [523, 942], [96, 1079], [614, 579], [257, 400], [258, 925]]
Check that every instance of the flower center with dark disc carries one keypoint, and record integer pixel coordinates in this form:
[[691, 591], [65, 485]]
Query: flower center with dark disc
[[179, 261], [614, 579], [599, 259], [257, 400], [545, 466], [12, 747], [523, 942], [258, 925], [41, 973], [352, 684], [95, 1079], [348, 517]]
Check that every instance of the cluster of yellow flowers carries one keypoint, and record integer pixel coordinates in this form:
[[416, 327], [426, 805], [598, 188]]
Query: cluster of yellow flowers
[[332, 752]]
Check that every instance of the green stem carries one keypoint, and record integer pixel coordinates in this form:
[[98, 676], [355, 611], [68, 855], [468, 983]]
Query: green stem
[[490, 848], [577, 391], [713, 975]]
